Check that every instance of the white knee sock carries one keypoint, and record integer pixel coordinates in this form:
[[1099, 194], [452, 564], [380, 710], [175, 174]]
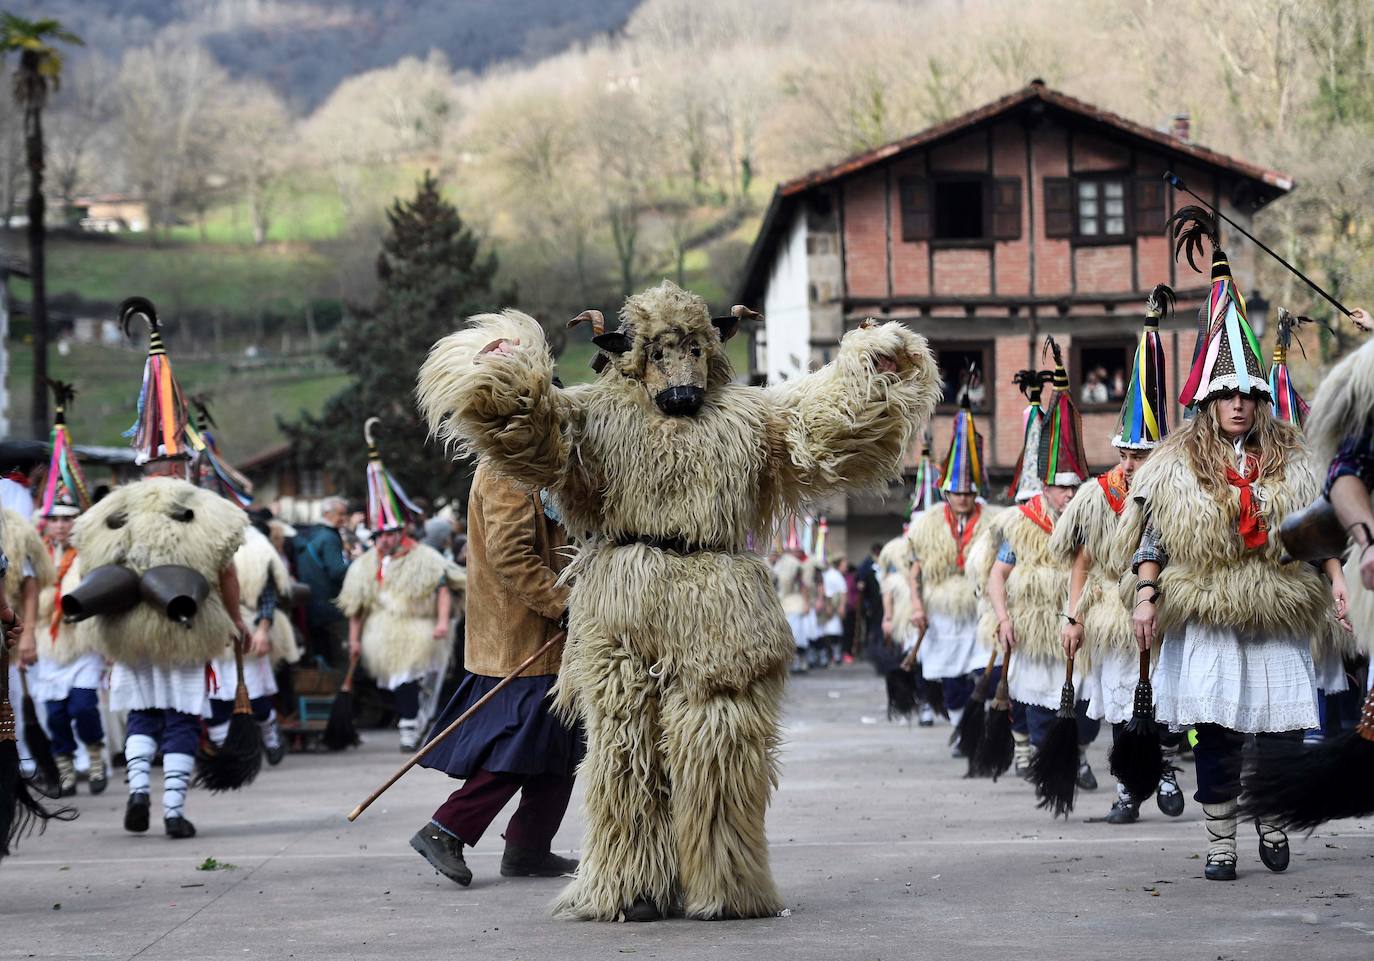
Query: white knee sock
[[139, 751], [1221, 832], [176, 777], [271, 737], [218, 732], [954, 714]]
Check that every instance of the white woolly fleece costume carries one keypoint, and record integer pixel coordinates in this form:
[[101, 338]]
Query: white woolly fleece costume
[[1237, 624], [1110, 662], [952, 647], [256, 562], [398, 608], [676, 661], [28, 557]]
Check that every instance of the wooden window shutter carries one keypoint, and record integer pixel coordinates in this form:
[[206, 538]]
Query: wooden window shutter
[[1058, 206], [1149, 205], [1006, 208], [915, 201]]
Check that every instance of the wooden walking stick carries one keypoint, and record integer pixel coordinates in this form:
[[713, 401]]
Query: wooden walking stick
[[419, 755]]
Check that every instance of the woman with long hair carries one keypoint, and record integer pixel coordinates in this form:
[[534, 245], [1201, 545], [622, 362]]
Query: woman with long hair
[[1235, 622]]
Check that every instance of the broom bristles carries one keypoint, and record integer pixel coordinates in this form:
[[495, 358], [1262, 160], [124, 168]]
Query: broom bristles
[[1137, 757], [21, 811], [998, 748], [968, 734], [901, 693], [935, 697], [1301, 787], [340, 732], [1054, 769], [236, 762], [40, 749]]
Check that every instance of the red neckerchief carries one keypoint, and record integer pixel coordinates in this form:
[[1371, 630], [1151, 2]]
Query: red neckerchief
[[1254, 531], [1036, 511], [961, 542], [1116, 487], [67, 559], [406, 544]]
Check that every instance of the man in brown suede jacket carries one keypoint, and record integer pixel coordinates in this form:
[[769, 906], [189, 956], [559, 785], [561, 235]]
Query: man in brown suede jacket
[[514, 605]]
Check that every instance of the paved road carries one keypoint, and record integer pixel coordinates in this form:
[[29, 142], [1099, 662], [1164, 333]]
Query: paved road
[[880, 848]]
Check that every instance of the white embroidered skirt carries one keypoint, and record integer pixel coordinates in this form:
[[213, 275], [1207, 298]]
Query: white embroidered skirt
[[1039, 680], [1110, 686], [257, 677], [137, 687], [50, 681], [1254, 684]]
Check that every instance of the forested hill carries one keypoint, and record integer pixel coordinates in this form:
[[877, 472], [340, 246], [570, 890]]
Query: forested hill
[[304, 48]]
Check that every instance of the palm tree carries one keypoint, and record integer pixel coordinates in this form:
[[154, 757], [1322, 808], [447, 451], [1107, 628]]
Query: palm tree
[[40, 69]]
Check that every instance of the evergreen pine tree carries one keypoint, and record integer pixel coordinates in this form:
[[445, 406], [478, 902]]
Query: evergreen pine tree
[[432, 275]]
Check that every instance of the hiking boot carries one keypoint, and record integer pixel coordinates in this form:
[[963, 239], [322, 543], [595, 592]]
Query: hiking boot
[[1124, 809], [98, 779], [444, 852], [177, 827], [1168, 796], [523, 863], [1087, 781], [136, 813]]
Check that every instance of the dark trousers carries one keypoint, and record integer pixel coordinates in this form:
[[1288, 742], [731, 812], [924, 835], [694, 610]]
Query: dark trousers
[[469, 811], [174, 732], [1039, 719], [959, 689], [1219, 755], [79, 711], [221, 711], [406, 700]]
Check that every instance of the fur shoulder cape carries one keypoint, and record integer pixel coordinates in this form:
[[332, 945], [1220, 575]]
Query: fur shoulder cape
[[945, 587], [70, 642], [1090, 522], [1343, 405], [1210, 577], [1036, 588], [21, 543], [398, 612], [147, 524]]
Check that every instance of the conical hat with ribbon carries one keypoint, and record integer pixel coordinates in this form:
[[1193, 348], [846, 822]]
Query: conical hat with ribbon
[[65, 493], [1061, 461], [1287, 403], [209, 469], [1144, 412], [388, 508], [159, 433], [1228, 356], [927, 491], [963, 464], [1025, 482]]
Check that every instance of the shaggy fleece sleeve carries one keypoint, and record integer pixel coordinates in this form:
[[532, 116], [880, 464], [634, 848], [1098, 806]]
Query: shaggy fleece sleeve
[[359, 589], [503, 407], [849, 424]]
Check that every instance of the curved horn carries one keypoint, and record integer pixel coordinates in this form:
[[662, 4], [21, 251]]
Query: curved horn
[[138, 305], [368, 424], [591, 316]]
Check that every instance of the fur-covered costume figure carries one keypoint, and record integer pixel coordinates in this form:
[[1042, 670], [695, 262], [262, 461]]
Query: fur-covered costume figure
[[794, 580], [944, 600], [677, 647], [30, 573], [1236, 622]]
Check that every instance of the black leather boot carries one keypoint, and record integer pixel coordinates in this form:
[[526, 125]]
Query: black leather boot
[[524, 863], [444, 852]]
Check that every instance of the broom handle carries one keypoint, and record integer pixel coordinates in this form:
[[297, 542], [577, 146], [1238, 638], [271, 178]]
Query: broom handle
[[242, 703], [23, 679], [1144, 665], [1068, 670], [415, 758], [915, 650]]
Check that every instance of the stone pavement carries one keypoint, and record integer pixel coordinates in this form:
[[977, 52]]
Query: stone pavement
[[880, 848]]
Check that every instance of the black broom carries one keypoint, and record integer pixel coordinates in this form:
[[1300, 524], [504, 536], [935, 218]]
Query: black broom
[[36, 740], [1136, 758], [340, 732], [1054, 769], [997, 748], [968, 733], [903, 686], [236, 762], [1300, 787], [20, 808]]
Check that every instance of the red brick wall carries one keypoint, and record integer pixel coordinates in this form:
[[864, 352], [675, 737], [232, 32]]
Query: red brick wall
[[865, 236], [962, 271], [1049, 154], [965, 155], [1011, 356], [1013, 256], [1103, 269], [1094, 154], [910, 259]]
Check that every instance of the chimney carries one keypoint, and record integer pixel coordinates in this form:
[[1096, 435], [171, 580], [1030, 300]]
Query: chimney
[[1180, 127]]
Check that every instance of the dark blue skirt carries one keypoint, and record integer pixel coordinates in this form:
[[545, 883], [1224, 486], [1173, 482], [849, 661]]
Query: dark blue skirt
[[513, 733]]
